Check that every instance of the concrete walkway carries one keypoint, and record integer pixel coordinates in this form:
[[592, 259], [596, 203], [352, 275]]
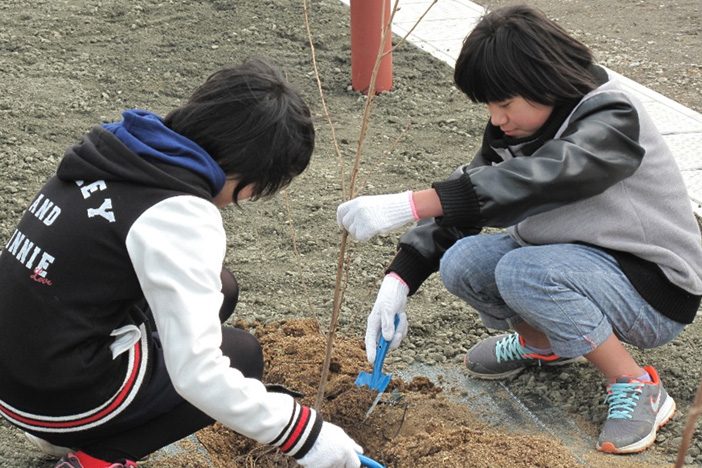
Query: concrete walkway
[[441, 33]]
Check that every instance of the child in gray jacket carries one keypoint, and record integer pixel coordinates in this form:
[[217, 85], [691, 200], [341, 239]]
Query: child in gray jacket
[[600, 245]]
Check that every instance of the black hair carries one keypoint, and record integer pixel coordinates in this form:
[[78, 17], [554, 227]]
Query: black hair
[[253, 124], [518, 51]]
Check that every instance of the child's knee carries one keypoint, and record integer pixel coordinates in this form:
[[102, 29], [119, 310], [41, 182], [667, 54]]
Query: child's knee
[[451, 271], [458, 274], [244, 351], [519, 275], [230, 293]]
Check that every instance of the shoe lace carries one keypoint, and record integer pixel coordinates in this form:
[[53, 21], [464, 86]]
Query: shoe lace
[[509, 348], [622, 399]]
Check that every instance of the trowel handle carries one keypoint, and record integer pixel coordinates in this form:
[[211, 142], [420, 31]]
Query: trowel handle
[[382, 351], [369, 462]]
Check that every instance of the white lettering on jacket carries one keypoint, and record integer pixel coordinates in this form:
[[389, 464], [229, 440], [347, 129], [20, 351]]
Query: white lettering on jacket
[[104, 210], [47, 212], [90, 188], [27, 253]]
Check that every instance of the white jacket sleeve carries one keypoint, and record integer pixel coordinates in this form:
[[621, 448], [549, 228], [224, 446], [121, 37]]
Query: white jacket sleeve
[[177, 248]]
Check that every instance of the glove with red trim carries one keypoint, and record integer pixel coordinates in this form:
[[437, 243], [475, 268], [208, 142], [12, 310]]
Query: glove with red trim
[[368, 216]]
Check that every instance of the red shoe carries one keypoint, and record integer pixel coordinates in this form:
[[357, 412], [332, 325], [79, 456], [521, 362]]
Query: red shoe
[[83, 460]]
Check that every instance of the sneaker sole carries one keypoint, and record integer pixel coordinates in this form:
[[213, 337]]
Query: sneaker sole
[[666, 412], [513, 372], [563, 362], [503, 375]]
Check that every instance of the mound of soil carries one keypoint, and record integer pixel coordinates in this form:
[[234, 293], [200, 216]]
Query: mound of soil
[[413, 425]]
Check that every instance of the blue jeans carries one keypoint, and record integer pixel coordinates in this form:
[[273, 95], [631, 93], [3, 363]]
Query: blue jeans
[[575, 294]]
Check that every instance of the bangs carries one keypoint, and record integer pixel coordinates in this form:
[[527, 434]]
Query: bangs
[[486, 74], [517, 51]]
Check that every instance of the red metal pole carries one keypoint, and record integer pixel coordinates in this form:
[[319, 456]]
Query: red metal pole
[[366, 31]]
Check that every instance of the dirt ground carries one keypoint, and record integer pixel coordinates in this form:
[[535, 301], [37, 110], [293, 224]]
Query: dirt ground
[[415, 425], [68, 65]]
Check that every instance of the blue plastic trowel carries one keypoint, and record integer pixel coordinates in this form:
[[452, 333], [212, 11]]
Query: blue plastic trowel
[[377, 380], [369, 462]]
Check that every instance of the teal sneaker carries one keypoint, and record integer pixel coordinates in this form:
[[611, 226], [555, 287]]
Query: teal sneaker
[[504, 356], [636, 411]]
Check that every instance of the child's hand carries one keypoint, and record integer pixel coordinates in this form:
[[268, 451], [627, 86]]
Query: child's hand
[[332, 449], [368, 216], [391, 301]]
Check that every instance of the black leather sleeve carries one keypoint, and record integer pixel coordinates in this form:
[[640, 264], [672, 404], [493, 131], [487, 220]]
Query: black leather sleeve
[[598, 149]]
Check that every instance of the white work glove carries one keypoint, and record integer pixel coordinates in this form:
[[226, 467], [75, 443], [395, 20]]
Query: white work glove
[[391, 301], [332, 449], [368, 216]]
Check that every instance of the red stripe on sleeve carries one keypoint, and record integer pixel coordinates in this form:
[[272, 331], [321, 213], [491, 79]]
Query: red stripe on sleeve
[[298, 430]]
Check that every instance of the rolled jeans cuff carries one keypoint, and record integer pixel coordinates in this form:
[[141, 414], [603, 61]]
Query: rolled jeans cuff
[[585, 344]]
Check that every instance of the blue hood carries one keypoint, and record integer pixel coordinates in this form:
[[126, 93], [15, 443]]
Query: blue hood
[[145, 134]]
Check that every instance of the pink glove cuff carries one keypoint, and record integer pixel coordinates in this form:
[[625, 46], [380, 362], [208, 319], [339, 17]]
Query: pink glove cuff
[[413, 207], [397, 277]]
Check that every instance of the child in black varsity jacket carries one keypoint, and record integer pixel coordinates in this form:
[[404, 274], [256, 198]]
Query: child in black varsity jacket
[[601, 246], [113, 294]]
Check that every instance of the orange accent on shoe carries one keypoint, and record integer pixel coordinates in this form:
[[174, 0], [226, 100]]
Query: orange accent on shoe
[[655, 379], [653, 375], [607, 447], [541, 357]]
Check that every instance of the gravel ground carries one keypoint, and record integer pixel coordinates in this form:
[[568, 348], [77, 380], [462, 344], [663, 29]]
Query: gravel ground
[[66, 66]]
